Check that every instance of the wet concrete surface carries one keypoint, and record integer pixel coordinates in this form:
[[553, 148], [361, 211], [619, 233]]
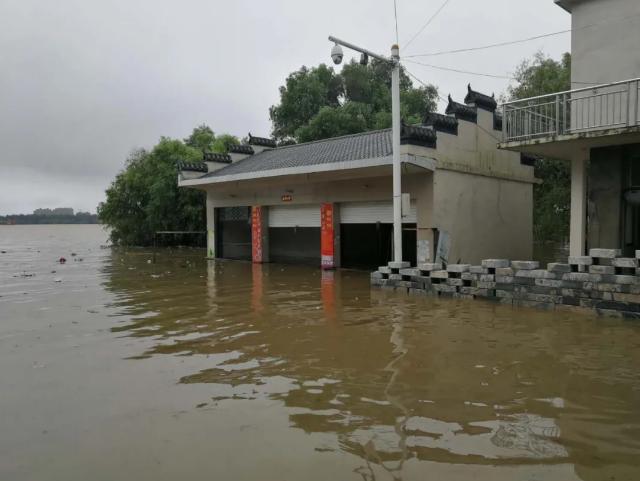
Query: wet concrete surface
[[112, 367]]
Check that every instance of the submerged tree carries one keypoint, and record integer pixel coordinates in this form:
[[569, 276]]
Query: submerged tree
[[318, 103], [542, 75], [145, 197]]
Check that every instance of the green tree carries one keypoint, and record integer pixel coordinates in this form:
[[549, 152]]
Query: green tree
[[145, 197], [305, 92], [318, 103], [202, 138], [552, 199], [350, 118], [223, 142], [541, 75]]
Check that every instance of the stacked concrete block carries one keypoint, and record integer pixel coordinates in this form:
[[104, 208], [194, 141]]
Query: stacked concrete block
[[603, 282]]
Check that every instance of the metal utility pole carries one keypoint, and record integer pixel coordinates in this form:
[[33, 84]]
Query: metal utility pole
[[397, 171], [394, 60]]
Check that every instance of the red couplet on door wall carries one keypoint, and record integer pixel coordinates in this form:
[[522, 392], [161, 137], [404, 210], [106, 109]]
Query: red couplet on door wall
[[327, 249], [256, 233]]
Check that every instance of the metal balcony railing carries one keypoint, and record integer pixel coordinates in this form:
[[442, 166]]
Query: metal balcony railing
[[588, 109]]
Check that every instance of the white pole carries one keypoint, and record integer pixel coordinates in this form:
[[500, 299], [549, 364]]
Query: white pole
[[397, 172]]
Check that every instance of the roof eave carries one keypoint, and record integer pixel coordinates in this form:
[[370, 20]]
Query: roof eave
[[566, 4], [421, 162]]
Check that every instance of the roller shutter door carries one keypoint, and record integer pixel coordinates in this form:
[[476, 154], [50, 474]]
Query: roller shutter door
[[372, 212], [233, 233], [307, 215]]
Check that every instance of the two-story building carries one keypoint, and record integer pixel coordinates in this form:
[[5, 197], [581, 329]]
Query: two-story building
[[595, 126]]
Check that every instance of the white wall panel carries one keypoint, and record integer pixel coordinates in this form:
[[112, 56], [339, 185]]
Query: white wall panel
[[372, 212], [307, 215]]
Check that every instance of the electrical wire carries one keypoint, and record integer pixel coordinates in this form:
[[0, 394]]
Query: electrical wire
[[479, 74], [466, 72], [427, 23], [497, 139], [524, 40], [493, 45]]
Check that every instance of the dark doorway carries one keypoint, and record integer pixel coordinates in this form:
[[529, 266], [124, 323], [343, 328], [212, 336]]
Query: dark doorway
[[295, 245], [368, 246], [234, 233], [630, 215]]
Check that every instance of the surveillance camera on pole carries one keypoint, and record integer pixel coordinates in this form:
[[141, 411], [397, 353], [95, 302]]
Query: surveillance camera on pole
[[336, 54], [394, 60]]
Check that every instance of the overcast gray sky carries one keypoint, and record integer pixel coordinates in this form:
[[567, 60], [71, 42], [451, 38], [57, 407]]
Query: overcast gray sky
[[83, 82]]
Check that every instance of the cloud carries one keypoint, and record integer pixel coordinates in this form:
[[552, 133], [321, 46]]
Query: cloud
[[83, 83]]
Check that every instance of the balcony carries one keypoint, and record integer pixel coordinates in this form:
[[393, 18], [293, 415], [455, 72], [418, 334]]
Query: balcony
[[574, 115]]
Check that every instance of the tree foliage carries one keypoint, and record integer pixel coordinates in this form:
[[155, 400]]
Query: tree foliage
[[145, 197], [552, 199], [318, 103]]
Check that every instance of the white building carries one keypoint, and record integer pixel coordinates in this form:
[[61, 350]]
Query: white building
[[595, 126]]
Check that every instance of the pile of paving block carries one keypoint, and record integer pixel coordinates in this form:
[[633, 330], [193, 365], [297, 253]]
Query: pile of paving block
[[602, 281]]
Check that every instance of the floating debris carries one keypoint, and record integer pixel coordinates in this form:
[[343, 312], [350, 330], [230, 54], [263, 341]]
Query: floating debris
[[57, 279], [24, 274]]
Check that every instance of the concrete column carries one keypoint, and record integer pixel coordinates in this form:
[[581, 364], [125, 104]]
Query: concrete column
[[337, 251], [259, 234], [578, 223], [329, 227], [425, 221], [211, 226]]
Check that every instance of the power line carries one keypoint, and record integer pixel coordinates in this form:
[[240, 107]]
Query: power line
[[395, 13], [493, 45], [497, 76], [428, 23], [466, 72], [445, 100], [529, 39]]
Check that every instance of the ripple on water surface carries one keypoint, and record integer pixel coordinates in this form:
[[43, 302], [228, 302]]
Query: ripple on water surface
[[287, 372]]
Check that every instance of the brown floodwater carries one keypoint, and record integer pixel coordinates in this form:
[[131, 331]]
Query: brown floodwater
[[115, 368]]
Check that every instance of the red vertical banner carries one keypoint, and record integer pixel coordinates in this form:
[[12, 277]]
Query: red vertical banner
[[327, 248], [256, 233]]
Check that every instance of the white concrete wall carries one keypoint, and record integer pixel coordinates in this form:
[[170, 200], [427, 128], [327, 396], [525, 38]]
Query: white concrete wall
[[310, 190], [609, 51], [485, 217]]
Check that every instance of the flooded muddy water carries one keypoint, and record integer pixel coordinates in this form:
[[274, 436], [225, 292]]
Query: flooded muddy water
[[115, 367]]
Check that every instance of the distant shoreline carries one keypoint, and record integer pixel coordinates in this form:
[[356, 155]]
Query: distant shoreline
[[49, 223], [36, 219]]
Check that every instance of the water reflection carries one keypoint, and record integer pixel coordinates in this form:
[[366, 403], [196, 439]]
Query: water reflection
[[396, 380]]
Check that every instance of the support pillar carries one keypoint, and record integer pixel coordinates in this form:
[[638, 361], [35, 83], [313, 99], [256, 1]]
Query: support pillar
[[259, 234], [328, 229], [211, 227], [578, 222], [426, 247]]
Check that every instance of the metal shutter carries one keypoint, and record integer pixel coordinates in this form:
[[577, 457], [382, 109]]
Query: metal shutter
[[294, 215], [372, 212]]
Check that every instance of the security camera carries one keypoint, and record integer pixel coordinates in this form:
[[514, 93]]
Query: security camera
[[336, 54]]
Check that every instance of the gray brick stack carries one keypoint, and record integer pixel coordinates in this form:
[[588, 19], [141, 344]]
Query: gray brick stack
[[602, 281]]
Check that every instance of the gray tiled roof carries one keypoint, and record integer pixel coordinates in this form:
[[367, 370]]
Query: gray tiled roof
[[193, 166], [480, 99], [340, 149]]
